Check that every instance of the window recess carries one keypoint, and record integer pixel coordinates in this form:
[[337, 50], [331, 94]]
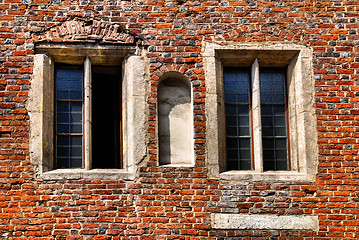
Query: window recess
[[256, 118], [88, 116], [87, 107], [261, 123]]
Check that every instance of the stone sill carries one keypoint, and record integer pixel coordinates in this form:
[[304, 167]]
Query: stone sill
[[265, 176], [98, 174]]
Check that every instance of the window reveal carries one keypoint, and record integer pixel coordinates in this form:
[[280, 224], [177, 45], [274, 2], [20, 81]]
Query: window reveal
[[256, 119]]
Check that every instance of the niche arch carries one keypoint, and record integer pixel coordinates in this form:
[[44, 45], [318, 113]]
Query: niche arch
[[175, 120]]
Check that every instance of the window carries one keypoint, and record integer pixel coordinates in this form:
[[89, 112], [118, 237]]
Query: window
[[102, 134], [242, 129], [83, 104], [260, 114]]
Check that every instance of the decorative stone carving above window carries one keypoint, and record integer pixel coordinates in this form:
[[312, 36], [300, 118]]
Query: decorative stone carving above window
[[91, 31]]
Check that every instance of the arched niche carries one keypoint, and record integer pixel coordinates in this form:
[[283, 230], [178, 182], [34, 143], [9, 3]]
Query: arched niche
[[175, 120]]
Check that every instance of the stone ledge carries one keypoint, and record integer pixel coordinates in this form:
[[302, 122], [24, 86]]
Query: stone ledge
[[274, 176], [264, 222], [100, 174]]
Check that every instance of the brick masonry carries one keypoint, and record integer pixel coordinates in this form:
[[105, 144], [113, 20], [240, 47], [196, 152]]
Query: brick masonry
[[176, 203]]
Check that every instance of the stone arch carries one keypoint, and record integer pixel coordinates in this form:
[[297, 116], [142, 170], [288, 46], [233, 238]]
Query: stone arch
[[175, 119]]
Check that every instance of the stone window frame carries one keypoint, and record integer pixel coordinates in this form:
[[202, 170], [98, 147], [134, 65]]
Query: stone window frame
[[302, 121], [41, 108]]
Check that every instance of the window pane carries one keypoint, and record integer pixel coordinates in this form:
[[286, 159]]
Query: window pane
[[237, 115], [69, 122], [275, 154], [274, 126], [272, 87], [69, 117], [69, 151], [69, 84], [273, 120], [239, 153], [236, 86]]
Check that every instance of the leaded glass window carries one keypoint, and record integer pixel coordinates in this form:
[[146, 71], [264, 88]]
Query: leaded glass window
[[69, 130], [241, 86], [238, 119], [88, 117]]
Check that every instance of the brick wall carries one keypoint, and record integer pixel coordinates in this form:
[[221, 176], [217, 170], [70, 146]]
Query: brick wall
[[176, 203]]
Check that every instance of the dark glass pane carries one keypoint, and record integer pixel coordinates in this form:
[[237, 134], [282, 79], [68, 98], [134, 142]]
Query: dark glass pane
[[69, 91], [280, 131], [266, 110], [63, 162], [63, 117], [69, 117], [69, 84], [273, 120], [245, 154], [244, 143], [268, 154], [76, 140], [281, 154], [63, 151], [245, 165], [272, 87], [244, 121], [236, 86], [267, 121], [231, 120], [76, 151], [231, 110], [232, 165], [243, 131], [243, 110], [279, 120], [281, 143], [237, 112], [268, 143], [279, 110], [63, 107], [69, 151], [268, 165], [76, 107], [267, 131], [282, 165], [76, 162], [231, 131], [63, 140], [239, 151], [76, 128], [63, 128], [237, 120], [232, 154], [275, 156]]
